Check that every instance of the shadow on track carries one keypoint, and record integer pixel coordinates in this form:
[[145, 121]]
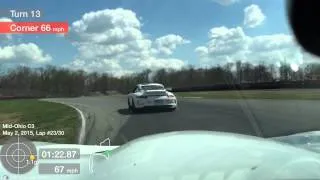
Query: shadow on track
[[124, 111], [144, 122], [144, 111]]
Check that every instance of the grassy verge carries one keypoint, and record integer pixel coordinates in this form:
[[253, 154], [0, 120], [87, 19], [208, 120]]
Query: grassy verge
[[46, 116], [255, 94]]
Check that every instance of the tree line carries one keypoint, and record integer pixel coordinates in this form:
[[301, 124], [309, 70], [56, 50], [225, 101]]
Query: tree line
[[52, 81]]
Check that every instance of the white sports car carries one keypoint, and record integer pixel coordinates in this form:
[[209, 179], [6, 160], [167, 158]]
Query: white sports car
[[151, 95]]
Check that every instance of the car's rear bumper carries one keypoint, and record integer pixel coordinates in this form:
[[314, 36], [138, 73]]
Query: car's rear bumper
[[160, 107], [151, 103]]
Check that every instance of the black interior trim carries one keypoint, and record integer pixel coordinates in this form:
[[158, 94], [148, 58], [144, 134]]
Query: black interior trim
[[304, 17]]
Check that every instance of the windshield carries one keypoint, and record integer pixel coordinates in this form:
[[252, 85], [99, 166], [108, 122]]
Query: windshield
[[152, 87], [71, 72]]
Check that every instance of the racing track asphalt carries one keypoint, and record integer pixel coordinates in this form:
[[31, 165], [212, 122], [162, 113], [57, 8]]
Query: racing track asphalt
[[265, 118]]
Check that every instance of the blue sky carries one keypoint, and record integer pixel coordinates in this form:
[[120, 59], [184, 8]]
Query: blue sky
[[190, 22]]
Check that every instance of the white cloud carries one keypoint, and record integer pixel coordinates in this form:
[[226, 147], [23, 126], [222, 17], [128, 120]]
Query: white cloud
[[111, 41], [166, 44], [163, 63], [309, 58], [106, 27], [253, 16], [5, 37], [225, 41], [104, 64], [226, 2], [116, 68], [232, 44], [202, 51], [23, 53]]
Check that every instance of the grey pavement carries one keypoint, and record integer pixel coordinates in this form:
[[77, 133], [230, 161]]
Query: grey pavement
[[103, 119], [265, 118]]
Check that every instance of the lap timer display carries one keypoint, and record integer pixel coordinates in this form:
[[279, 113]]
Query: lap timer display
[[59, 153]]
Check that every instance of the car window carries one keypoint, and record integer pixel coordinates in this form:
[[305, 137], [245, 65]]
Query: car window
[[134, 90], [137, 89], [152, 87]]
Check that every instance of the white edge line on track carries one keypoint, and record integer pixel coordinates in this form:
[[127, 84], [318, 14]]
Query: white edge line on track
[[83, 124], [83, 121]]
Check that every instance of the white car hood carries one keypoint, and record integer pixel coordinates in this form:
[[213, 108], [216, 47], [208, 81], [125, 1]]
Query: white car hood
[[194, 155], [306, 140], [207, 155]]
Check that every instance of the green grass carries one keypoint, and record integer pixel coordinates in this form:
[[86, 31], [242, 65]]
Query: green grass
[[256, 94], [45, 116]]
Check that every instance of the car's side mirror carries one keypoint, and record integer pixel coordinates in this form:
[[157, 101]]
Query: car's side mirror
[[168, 89]]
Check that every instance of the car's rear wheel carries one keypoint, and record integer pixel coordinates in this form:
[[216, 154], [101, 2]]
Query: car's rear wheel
[[129, 106], [133, 106]]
